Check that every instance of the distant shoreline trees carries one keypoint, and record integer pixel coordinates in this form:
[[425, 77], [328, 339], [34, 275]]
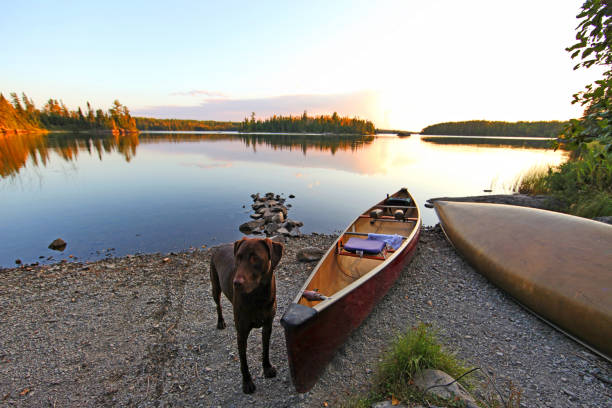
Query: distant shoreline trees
[[497, 128], [303, 124], [184, 124], [21, 116]]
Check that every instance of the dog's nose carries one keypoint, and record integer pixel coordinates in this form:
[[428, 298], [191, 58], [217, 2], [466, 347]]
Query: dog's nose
[[238, 281]]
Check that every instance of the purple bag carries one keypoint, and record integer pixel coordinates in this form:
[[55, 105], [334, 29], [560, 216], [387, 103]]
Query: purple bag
[[368, 246]]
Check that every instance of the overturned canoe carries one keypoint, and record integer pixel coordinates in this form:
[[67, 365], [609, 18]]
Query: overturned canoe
[[350, 279], [557, 265]]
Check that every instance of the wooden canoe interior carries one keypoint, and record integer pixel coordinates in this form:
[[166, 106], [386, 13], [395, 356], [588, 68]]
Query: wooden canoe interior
[[337, 271]]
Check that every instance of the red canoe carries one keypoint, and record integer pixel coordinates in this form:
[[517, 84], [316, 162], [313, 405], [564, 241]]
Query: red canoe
[[350, 279]]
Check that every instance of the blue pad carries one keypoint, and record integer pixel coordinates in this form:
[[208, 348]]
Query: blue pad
[[368, 246]]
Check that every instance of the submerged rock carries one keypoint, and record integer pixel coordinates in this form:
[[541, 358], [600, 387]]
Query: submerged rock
[[58, 245], [251, 226]]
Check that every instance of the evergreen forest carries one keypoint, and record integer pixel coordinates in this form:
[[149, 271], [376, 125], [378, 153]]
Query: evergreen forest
[[308, 124], [21, 115], [184, 124], [497, 128]]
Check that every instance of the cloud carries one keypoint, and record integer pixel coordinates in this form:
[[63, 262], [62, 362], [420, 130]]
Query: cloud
[[200, 92], [364, 104]]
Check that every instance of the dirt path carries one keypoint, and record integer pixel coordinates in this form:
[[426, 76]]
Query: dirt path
[[140, 331]]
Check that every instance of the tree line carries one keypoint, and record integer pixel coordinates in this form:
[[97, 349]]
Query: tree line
[[497, 128], [21, 115], [305, 123], [184, 124]]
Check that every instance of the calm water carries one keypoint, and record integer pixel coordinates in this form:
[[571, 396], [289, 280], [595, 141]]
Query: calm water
[[161, 192]]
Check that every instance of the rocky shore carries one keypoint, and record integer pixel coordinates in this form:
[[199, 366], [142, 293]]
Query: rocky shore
[[140, 331]]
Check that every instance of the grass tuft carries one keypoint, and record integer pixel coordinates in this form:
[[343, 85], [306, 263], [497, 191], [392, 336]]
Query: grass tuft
[[412, 351]]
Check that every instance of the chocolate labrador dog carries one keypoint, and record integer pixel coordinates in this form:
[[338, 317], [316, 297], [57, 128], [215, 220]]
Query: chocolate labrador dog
[[245, 273]]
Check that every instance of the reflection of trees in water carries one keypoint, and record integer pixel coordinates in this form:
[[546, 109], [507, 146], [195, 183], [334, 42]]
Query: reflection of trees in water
[[15, 150], [304, 142], [484, 141]]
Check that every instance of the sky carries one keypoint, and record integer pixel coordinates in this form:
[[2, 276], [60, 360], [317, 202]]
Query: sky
[[403, 64]]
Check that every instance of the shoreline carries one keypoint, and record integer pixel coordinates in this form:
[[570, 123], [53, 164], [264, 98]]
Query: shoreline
[[143, 326]]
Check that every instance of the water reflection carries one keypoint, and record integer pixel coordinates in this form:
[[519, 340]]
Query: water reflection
[[15, 151], [531, 143]]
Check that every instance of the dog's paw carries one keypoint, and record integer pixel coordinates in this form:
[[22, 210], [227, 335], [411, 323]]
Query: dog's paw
[[248, 387], [221, 324], [269, 372]]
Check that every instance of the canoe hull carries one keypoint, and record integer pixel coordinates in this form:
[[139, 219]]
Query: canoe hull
[[312, 338], [558, 266]]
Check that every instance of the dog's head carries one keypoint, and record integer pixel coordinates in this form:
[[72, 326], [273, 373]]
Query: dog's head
[[255, 261]]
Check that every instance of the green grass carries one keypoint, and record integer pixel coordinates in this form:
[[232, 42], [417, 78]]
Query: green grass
[[412, 351], [531, 181], [583, 184]]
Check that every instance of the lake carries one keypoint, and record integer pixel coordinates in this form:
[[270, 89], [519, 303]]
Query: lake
[[162, 192]]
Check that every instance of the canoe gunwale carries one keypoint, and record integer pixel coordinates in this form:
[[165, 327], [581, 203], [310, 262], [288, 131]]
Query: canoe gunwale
[[361, 280]]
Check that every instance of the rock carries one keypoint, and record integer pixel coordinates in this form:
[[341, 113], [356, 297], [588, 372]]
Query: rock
[[279, 238], [291, 196], [18, 261], [250, 226], [283, 230], [256, 216], [309, 254], [271, 228], [389, 404], [294, 223], [272, 203], [607, 219], [278, 218], [537, 201], [257, 205], [295, 232], [428, 378], [58, 245]]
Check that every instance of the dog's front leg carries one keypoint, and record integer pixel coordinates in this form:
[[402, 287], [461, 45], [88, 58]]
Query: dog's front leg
[[266, 331], [248, 387]]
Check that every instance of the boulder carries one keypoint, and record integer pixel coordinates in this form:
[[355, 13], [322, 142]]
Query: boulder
[[278, 218], [294, 223], [282, 230], [255, 216], [295, 232], [271, 228], [257, 205], [309, 254], [58, 245], [607, 219], [429, 378], [251, 226]]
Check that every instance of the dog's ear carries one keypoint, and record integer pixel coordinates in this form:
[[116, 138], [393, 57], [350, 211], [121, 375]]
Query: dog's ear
[[237, 244], [275, 249]]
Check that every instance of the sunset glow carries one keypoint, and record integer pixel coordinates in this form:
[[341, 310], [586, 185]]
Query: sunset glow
[[400, 64]]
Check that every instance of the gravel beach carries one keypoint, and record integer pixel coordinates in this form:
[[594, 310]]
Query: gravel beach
[[140, 331]]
